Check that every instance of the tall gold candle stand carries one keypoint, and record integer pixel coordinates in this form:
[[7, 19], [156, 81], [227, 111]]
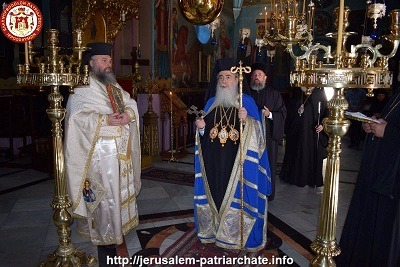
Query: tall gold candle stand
[[349, 70], [53, 72]]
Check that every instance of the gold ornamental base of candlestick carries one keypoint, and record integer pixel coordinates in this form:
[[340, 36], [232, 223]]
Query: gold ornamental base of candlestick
[[69, 256]]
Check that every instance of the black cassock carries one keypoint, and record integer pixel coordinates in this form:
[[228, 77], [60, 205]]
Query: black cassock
[[272, 99], [371, 233], [305, 148], [218, 159]]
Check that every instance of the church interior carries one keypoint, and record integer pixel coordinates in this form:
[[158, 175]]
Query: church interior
[[164, 61]]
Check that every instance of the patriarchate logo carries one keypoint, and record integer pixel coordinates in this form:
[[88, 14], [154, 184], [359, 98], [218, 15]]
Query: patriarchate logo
[[21, 21]]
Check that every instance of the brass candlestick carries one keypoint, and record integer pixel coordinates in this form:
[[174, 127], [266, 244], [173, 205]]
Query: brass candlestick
[[349, 70], [53, 73]]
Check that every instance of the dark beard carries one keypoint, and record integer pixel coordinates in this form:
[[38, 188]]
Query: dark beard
[[105, 78], [257, 86]]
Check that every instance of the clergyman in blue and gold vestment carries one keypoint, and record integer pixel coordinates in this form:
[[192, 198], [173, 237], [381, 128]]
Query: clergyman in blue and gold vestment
[[219, 216]]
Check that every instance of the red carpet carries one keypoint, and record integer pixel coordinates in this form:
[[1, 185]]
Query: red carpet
[[189, 246], [168, 176]]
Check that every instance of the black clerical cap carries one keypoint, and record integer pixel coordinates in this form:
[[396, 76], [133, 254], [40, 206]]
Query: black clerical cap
[[98, 48], [221, 65], [259, 66]]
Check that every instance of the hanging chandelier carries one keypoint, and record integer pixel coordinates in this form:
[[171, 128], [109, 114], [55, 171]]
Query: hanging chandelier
[[290, 22], [364, 66]]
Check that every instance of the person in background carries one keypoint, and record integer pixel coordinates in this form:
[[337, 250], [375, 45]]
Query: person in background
[[218, 169], [356, 100], [306, 141], [378, 103], [102, 151], [371, 233], [273, 112]]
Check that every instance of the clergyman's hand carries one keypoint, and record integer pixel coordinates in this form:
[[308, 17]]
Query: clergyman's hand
[[366, 127], [266, 112], [200, 123], [125, 119], [378, 129], [242, 114], [114, 119], [319, 128]]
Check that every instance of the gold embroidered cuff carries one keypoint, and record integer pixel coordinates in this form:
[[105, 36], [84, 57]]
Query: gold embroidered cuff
[[130, 113]]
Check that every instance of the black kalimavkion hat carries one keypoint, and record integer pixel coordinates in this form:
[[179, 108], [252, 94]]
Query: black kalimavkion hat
[[98, 48], [264, 68], [259, 66], [221, 65]]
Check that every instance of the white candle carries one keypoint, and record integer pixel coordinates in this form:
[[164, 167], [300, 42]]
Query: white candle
[[170, 97], [265, 18], [340, 28]]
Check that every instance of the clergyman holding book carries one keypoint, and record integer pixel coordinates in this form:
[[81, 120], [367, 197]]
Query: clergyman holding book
[[102, 148]]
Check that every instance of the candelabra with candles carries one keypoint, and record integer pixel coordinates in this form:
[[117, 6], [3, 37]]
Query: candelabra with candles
[[288, 22], [339, 69], [54, 71]]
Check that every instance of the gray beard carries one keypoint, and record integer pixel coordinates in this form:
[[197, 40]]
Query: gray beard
[[105, 78], [257, 87], [225, 98]]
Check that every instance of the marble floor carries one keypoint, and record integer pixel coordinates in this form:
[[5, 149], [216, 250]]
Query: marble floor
[[28, 235]]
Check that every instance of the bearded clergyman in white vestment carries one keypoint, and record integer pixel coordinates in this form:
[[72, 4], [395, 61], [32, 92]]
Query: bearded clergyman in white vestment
[[102, 155]]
